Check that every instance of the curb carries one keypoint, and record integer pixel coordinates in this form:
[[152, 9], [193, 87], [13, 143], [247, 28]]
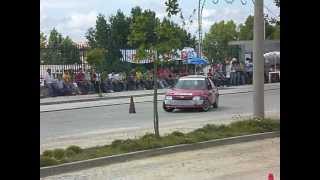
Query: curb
[[108, 98], [144, 95], [86, 164], [97, 99]]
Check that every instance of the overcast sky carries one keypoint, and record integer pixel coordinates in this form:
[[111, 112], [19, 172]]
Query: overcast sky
[[74, 17]]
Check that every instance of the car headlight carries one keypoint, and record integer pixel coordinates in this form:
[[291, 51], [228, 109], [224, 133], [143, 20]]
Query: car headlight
[[197, 98], [168, 98]]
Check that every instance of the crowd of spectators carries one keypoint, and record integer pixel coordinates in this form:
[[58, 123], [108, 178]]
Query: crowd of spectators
[[87, 82], [231, 72]]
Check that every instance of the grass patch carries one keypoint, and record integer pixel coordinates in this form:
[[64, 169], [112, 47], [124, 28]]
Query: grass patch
[[150, 141]]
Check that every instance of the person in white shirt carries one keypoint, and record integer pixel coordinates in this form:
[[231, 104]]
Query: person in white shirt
[[49, 82], [233, 71], [228, 72]]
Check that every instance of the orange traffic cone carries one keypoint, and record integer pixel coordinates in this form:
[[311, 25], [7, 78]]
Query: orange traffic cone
[[270, 177], [132, 109]]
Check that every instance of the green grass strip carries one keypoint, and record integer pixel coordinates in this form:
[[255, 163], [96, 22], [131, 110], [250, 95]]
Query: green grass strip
[[149, 141]]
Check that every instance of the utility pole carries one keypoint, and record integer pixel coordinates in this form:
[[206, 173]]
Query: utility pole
[[199, 28], [258, 60]]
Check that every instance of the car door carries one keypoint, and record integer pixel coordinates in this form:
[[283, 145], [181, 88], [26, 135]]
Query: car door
[[211, 91]]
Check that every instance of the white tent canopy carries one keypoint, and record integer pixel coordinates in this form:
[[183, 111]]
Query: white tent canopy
[[272, 57]]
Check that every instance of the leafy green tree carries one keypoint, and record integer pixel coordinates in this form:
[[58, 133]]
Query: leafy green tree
[[43, 44], [246, 29], [95, 58], [153, 38], [216, 40], [43, 40], [172, 7], [69, 52]]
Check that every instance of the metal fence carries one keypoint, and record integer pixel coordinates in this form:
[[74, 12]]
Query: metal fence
[[58, 69]]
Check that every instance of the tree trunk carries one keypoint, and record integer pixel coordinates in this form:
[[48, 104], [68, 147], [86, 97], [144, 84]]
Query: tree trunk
[[155, 98]]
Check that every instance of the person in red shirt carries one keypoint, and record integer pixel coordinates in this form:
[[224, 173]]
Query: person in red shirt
[[80, 80]]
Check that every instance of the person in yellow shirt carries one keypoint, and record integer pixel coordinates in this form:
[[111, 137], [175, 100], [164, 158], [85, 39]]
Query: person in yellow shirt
[[67, 82], [138, 79]]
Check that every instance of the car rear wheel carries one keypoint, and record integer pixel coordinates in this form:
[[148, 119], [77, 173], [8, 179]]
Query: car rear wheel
[[167, 109], [206, 106], [216, 104]]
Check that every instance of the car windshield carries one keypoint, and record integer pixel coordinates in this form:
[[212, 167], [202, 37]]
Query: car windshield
[[191, 84]]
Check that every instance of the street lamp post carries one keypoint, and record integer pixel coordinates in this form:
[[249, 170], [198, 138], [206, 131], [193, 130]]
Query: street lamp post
[[258, 60]]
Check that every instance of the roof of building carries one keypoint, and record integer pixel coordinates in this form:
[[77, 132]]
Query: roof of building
[[250, 42]]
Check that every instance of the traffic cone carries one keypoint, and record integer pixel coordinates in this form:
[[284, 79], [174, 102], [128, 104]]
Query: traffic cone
[[132, 109], [270, 177]]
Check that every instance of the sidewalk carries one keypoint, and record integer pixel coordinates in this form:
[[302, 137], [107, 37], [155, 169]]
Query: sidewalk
[[242, 161], [127, 94]]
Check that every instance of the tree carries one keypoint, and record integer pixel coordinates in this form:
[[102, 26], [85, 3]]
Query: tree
[[172, 7], [216, 40], [70, 53], [95, 58], [43, 40], [58, 50], [246, 30], [153, 38], [43, 44]]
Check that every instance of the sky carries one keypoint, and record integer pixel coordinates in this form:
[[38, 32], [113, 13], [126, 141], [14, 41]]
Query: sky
[[74, 17]]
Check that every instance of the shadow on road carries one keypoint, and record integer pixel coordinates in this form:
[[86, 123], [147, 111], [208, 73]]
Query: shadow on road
[[221, 108]]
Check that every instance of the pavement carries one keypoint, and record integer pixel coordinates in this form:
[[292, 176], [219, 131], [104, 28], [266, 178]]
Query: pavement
[[91, 126], [124, 94], [123, 98], [243, 161]]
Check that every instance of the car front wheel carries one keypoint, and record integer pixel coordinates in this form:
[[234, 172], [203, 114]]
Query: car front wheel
[[167, 109], [206, 106]]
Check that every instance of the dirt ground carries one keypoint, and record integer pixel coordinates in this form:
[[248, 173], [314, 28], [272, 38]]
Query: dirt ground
[[243, 161]]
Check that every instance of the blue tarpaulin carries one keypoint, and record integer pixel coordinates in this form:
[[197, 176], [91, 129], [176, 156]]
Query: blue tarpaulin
[[197, 60]]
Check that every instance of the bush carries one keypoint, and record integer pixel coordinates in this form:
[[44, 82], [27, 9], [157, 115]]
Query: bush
[[47, 161], [48, 153], [58, 154], [116, 143], [130, 145], [177, 133], [75, 149], [69, 153]]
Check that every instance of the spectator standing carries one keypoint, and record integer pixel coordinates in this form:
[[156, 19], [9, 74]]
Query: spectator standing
[[227, 72], [138, 79], [242, 73], [80, 80], [238, 73], [249, 70], [49, 82], [94, 80], [60, 86], [67, 82], [233, 72]]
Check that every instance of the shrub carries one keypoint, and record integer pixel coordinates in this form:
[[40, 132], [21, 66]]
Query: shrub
[[116, 143], [47, 161], [130, 145], [48, 153], [58, 154], [177, 133], [75, 149], [69, 153]]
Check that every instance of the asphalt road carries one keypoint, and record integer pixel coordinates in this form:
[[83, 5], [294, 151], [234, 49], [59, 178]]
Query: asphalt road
[[111, 118], [243, 161]]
